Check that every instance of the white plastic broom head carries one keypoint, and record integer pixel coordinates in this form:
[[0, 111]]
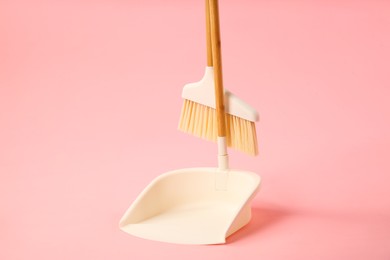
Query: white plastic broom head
[[202, 92], [199, 117]]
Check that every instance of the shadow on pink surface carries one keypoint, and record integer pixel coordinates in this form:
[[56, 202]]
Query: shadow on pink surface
[[262, 218]]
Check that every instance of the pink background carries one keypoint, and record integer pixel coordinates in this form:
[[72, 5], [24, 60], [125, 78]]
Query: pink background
[[90, 102]]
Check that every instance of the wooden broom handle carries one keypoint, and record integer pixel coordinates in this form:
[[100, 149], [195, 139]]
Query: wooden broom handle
[[217, 63], [208, 36]]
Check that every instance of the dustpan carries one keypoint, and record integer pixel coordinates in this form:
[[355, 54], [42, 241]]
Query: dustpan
[[196, 205], [192, 206]]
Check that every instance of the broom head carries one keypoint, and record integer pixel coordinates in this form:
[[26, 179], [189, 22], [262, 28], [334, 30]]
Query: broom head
[[199, 118]]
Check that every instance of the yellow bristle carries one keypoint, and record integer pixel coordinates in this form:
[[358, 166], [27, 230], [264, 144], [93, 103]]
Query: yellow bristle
[[201, 121]]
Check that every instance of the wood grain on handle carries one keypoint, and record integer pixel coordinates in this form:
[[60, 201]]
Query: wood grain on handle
[[208, 35], [217, 63]]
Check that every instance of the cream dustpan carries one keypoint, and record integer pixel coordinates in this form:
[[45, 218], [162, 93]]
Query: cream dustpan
[[192, 206], [196, 205]]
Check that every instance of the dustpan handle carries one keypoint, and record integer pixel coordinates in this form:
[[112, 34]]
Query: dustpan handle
[[219, 93]]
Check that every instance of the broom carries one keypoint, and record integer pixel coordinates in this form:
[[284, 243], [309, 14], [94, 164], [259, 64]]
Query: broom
[[199, 115]]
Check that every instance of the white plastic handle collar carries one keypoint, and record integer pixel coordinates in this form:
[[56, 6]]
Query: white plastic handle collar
[[223, 158]]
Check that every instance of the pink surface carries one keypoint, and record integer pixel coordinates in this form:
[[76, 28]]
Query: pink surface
[[90, 101]]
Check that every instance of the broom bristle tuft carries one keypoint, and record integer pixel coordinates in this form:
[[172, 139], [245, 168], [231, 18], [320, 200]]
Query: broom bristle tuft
[[201, 121]]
